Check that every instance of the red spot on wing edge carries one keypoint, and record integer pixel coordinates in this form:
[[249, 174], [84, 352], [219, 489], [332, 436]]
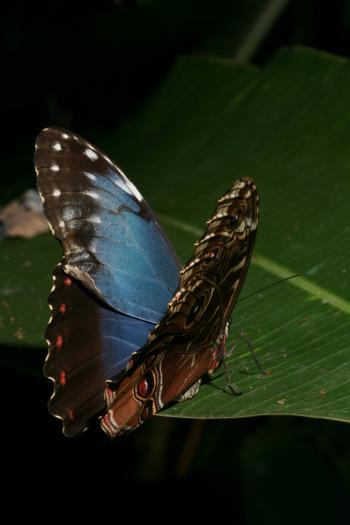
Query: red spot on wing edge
[[62, 378]]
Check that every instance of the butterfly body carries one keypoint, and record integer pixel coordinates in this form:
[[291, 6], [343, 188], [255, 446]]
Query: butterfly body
[[130, 333]]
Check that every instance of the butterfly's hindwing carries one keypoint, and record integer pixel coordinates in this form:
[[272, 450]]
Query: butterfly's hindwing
[[89, 343], [190, 340]]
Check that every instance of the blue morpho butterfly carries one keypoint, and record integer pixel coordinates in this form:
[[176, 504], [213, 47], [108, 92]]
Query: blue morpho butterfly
[[130, 332]]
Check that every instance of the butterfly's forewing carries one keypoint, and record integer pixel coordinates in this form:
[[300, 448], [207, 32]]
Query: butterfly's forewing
[[190, 340], [112, 242], [117, 275]]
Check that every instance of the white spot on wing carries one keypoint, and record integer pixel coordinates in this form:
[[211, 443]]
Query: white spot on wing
[[65, 136], [92, 155], [90, 175], [57, 146], [61, 224], [55, 167], [95, 219], [92, 194], [56, 192]]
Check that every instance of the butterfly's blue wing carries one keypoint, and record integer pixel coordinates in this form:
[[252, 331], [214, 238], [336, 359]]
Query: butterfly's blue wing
[[112, 242], [118, 272], [88, 344]]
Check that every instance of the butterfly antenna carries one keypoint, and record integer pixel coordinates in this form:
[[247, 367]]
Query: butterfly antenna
[[269, 286]]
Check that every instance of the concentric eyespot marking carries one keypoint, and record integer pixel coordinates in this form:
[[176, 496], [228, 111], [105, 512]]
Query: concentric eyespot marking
[[145, 386]]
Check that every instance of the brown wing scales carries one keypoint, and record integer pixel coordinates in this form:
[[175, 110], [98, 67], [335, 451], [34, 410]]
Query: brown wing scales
[[190, 339]]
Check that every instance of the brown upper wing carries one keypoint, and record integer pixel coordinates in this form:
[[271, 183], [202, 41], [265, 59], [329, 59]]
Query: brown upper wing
[[188, 340]]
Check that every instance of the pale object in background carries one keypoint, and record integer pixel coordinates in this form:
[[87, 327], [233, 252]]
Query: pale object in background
[[23, 217]]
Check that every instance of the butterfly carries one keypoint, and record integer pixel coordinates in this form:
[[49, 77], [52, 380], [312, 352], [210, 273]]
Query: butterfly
[[130, 331]]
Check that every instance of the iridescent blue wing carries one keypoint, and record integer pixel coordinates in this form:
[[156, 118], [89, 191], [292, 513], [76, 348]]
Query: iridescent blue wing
[[118, 272], [88, 344], [112, 241]]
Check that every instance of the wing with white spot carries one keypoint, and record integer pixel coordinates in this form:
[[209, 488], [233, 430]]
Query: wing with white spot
[[112, 242]]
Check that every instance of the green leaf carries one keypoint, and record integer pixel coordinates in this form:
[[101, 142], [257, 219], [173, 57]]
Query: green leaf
[[287, 126]]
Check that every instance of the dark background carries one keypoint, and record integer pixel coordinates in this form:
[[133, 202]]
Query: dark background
[[87, 66]]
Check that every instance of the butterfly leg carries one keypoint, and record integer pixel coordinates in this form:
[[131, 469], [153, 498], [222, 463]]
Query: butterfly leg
[[229, 387], [242, 335]]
